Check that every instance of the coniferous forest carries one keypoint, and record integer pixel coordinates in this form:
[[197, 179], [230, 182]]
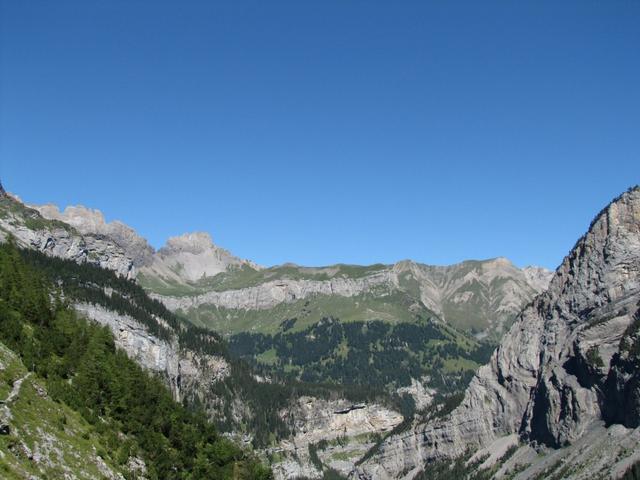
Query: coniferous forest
[[132, 411]]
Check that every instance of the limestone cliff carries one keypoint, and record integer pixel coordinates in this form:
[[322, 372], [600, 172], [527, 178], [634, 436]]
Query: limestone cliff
[[566, 365], [92, 222], [185, 258], [328, 434], [189, 375], [57, 238]]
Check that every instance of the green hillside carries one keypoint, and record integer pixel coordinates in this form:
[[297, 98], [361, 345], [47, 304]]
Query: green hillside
[[477, 297], [392, 307], [96, 399], [245, 277], [59, 440]]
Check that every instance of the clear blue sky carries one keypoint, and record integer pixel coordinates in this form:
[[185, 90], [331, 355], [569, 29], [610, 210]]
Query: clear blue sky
[[328, 131]]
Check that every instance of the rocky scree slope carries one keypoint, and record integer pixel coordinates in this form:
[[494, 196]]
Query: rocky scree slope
[[568, 365]]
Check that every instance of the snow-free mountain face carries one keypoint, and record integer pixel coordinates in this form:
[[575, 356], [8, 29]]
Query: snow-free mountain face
[[566, 376], [52, 236], [214, 288], [92, 222], [191, 257], [481, 297], [186, 258]]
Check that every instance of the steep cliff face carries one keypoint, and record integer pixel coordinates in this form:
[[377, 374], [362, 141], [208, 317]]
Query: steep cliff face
[[566, 364], [186, 258], [92, 222], [328, 434], [187, 373], [190, 375], [57, 238]]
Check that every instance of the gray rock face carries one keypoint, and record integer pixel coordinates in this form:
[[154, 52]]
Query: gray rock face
[[91, 222], [190, 257], [537, 277], [560, 369], [31, 230], [186, 258], [272, 293], [188, 374], [346, 436]]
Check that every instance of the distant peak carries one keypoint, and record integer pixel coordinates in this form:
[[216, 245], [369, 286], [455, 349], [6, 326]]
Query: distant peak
[[500, 261], [622, 212], [536, 268], [3, 193], [79, 216], [194, 242]]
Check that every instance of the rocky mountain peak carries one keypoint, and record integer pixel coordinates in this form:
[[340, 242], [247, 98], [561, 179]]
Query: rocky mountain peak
[[190, 257], [82, 218], [501, 261], [91, 221], [196, 243], [2, 190], [561, 369], [604, 264], [538, 277]]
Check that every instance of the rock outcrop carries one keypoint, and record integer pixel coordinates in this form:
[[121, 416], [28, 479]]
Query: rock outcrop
[[83, 235], [192, 257], [328, 434], [567, 364], [53, 237], [188, 374], [91, 222], [272, 293], [186, 258]]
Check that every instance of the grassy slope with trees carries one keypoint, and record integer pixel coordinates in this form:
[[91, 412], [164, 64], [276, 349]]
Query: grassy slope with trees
[[373, 353], [130, 411], [92, 284]]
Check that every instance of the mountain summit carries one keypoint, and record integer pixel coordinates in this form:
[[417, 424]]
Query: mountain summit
[[192, 257]]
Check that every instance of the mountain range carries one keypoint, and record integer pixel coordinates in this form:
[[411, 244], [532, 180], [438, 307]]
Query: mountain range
[[214, 288], [557, 398]]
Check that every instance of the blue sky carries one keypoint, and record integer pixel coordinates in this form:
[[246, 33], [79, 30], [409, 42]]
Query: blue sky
[[333, 131]]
